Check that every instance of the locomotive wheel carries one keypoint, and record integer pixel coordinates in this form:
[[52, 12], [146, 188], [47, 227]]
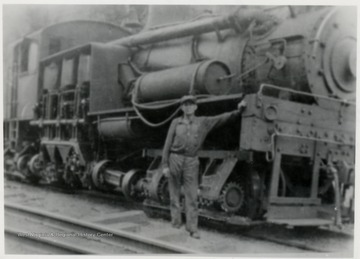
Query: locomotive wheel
[[71, 181], [96, 174], [35, 164], [8, 163], [23, 169], [129, 183], [163, 191], [21, 163], [72, 171], [253, 201], [157, 188], [232, 197]]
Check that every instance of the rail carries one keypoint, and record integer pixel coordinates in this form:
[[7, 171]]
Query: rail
[[133, 241]]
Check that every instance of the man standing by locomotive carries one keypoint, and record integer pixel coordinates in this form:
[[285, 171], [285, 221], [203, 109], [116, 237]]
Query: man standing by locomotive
[[181, 163]]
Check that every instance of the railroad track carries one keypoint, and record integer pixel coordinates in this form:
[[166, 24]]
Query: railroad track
[[269, 232], [78, 236], [263, 234]]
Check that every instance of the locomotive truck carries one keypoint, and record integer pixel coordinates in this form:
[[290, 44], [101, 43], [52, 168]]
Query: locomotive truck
[[88, 104]]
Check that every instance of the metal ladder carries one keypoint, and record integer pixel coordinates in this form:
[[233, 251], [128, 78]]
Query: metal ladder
[[14, 122]]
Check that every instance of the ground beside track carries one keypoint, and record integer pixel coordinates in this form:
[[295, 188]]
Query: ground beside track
[[107, 211]]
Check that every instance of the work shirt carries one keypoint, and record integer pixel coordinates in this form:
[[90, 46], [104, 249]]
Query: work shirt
[[186, 137]]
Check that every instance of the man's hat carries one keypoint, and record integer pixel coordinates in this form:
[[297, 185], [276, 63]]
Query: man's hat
[[188, 99]]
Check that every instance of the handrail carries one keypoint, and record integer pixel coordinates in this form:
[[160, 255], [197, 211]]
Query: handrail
[[341, 101]]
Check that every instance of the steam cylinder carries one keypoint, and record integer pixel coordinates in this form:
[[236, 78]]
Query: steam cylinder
[[203, 78]]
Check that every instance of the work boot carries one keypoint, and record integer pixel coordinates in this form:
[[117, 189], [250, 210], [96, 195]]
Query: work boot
[[195, 235]]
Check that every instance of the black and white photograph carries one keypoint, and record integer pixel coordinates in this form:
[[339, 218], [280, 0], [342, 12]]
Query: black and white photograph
[[182, 129]]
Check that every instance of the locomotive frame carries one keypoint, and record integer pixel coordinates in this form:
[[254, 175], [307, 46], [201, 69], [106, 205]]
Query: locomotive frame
[[102, 103]]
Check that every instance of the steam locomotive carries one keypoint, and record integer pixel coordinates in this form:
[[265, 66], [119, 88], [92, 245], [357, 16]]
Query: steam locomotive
[[88, 104]]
